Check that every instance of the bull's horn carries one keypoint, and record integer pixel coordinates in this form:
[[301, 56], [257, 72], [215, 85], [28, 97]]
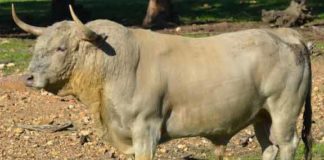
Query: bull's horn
[[88, 33], [26, 27]]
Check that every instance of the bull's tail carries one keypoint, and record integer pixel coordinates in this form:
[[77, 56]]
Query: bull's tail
[[307, 117]]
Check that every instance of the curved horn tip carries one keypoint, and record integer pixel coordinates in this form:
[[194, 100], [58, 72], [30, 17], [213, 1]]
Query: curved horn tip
[[88, 33], [24, 26], [74, 17], [13, 11], [70, 7]]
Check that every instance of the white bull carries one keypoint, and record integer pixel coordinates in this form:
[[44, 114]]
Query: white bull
[[146, 88]]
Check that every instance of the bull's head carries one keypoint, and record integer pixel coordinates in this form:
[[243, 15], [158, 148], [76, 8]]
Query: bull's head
[[55, 53]]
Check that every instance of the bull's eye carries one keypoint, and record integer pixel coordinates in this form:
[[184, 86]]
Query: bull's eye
[[61, 49]]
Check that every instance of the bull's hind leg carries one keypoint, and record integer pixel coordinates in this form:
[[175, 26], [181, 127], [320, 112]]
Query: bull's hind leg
[[262, 132], [284, 113], [284, 134]]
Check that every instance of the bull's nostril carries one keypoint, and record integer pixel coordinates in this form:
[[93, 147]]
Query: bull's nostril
[[30, 78]]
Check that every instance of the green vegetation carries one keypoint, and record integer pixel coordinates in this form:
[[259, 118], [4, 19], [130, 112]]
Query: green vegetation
[[132, 12], [320, 45], [318, 153], [15, 51]]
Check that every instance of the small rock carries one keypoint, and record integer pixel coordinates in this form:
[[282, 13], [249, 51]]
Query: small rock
[[249, 132], [86, 119], [79, 155], [178, 29], [9, 129], [35, 145], [85, 132], [71, 106], [316, 89], [26, 137], [111, 154], [18, 130], [322, 140], [204, 154], [321, 134], [10, 65], [204, 141], [45, 93], [181, 146], [4, 97], [162, 150], [2, 66], [84, 136], [84, 139], [54, 153], [49, 143], [122, 156]]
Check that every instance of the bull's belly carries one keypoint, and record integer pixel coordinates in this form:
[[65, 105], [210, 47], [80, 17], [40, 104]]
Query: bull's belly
[[222, 119]]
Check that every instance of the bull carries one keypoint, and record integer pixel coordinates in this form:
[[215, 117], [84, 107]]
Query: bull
[[145, 88]]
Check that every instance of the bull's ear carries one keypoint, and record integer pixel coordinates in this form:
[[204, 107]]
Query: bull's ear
[[24, 26], [88, 34]]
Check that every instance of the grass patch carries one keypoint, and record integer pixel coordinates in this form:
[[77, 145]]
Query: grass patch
[[15, 51], [318, 153], [319, 45]]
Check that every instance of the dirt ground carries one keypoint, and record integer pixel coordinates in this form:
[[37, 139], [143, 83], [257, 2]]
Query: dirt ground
[[22, 108]]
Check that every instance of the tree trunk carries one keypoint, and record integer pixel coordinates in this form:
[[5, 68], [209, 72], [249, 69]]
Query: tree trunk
[[296, 14], [159, 13], [60, 9]]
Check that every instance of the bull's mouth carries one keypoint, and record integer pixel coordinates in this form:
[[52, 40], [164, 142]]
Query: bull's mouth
[[54, 87], [37, 83]]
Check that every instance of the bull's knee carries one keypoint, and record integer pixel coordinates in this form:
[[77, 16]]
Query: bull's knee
[[146, 135], [287, 140], [288, 149]]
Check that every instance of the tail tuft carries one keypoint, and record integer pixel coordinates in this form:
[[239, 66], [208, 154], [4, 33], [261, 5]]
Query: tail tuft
[[307, 116]]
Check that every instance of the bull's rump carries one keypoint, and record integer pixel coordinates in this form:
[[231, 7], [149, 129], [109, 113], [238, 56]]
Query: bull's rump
[[217, 85]]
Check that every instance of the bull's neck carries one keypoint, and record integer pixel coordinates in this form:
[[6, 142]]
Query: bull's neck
[[95, 73], [86, 86], [86, 81]]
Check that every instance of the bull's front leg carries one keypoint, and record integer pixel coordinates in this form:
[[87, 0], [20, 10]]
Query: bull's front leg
[[146, 135], [146, 130]]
